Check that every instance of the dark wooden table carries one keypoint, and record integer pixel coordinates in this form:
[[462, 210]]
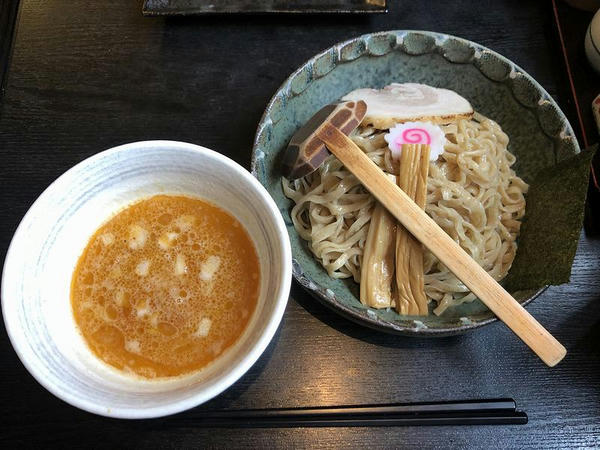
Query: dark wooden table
[[89, 75]]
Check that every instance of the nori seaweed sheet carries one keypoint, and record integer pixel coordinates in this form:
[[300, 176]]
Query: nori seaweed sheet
[[552, 224]]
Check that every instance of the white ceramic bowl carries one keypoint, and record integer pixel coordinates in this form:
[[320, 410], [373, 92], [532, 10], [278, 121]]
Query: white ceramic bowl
[[55, 230], [592, 42]]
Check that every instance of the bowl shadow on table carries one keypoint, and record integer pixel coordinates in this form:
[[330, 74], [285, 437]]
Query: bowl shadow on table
[[582, 334], [230, 396], [589, 341], [577, 321], [361, 332]]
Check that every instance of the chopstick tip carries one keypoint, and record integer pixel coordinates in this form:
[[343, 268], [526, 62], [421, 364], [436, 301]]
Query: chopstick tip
[[558, 357]]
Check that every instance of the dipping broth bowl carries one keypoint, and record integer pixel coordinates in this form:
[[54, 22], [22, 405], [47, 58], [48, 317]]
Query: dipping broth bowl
[[49, 240]]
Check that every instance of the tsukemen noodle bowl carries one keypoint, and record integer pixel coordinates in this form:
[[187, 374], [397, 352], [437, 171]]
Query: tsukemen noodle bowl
[[515, 123]]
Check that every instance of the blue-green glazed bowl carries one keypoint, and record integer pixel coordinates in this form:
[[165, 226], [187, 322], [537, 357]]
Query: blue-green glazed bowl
[[540, 136]]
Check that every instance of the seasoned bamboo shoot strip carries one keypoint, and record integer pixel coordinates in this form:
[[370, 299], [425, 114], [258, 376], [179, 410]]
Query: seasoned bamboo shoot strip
[[377, 268], [414, 166]]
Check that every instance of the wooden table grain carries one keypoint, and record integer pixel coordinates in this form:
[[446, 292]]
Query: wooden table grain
[[88, 75]]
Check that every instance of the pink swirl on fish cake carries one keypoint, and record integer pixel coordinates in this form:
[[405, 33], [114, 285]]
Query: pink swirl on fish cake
[[424, 133], [414, 136]]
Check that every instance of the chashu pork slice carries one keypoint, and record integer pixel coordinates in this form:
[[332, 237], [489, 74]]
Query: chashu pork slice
[[412, 102]]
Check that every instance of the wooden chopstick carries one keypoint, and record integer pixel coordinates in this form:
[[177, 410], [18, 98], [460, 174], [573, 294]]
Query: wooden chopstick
[[467, 412]]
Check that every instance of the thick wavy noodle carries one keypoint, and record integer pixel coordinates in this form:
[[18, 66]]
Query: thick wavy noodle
[[472, 193]]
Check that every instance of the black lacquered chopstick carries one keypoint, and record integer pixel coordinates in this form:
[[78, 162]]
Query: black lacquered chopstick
[[468, 412]]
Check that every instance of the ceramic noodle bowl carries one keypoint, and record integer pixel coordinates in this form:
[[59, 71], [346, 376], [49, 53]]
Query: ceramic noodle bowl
[[540, 136]]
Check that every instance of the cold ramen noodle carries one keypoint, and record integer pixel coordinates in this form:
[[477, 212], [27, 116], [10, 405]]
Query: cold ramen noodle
[[165, 286], [468, 188]]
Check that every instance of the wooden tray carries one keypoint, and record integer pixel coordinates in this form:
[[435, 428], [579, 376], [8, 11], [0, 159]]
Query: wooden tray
[[193, 7]]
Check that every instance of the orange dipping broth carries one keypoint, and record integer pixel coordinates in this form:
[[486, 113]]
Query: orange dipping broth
[[165, 286]]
